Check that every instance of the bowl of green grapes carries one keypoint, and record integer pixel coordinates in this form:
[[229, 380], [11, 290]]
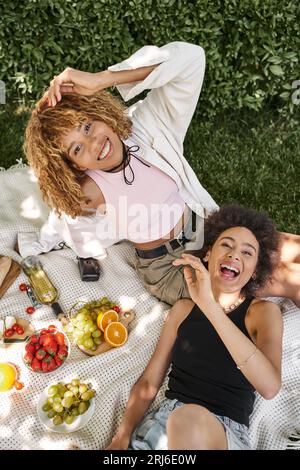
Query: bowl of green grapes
[[65, 407]]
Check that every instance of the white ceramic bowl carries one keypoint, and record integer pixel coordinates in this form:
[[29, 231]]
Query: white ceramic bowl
[[67, 343], [63, 428]]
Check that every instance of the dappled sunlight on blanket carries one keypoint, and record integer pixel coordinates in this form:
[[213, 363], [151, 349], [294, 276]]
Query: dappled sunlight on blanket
[[29, 209], [90, 246], [27, 425], [127, 303], [5, 431], [295, 353], [49, 444], [5, 406], [144, 324]]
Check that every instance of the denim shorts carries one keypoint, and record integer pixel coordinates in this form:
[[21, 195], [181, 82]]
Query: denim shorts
[[151, 433]]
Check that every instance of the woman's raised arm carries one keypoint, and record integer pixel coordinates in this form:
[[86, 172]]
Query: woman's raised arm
[[86, 83]]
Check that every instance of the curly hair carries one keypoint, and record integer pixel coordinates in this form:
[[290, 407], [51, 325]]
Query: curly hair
[[261, 226], [59, 181]]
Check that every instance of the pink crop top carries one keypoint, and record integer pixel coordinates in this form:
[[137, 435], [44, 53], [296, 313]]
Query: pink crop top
[[144, 211]]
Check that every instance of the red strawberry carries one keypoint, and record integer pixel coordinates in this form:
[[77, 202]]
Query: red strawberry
[[28, 357], [60, 338], [62, 354], [58, 361], [48, 339], [30, 348], [51, 348], [52, 365], [46, 362], [47, 359], [42, 339], [43, 332], [34, 339], [40, 354], [36, 365]]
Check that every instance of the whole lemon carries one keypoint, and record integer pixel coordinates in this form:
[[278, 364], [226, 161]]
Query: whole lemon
[[7, 376]]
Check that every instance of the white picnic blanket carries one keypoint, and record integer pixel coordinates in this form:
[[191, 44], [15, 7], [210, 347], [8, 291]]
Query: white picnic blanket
[[114, 372]]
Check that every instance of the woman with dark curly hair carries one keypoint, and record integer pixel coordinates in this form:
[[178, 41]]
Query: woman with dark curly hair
[[262, 228], [222, 344], [111, 174]]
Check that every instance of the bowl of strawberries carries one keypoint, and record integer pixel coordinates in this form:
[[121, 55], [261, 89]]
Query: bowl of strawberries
[[46, 350]]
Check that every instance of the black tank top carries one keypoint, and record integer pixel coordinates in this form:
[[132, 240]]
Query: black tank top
[[203, 372]]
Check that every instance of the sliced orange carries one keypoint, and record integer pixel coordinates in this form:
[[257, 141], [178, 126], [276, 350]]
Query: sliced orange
[[105, 318], [116, 334]]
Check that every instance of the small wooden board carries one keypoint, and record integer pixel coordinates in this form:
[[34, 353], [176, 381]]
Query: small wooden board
[[28, 331], [10, 278], [125, 318]]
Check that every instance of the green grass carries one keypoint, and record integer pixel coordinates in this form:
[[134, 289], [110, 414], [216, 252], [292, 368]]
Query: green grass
[[12, 125], [252, 159], [246, 157]]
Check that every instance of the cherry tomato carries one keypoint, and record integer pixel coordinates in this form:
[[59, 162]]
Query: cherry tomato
[[18, 385], [23, 287], [20, 330], [15, 327], [8, 332], [51, 327], [30, 310], [116, 309]]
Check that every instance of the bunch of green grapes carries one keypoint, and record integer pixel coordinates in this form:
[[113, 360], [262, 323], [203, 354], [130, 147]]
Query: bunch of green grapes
[[83, 327], [67, 401]]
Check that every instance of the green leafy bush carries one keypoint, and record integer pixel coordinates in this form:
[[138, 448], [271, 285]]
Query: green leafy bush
[[252, 46]]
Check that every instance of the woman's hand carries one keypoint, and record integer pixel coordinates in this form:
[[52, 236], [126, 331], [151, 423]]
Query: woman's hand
[[73, 81], [85, 83], [118, 443], [199, 284]]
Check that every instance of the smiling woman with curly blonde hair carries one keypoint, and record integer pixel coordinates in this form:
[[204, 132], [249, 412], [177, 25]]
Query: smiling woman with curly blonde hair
[[87, 154], [59, 179]]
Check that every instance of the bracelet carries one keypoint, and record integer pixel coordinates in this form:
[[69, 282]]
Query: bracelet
[[248, 359]]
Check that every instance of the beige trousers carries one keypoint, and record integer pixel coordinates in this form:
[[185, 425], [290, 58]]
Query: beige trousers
[[163, 280]]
